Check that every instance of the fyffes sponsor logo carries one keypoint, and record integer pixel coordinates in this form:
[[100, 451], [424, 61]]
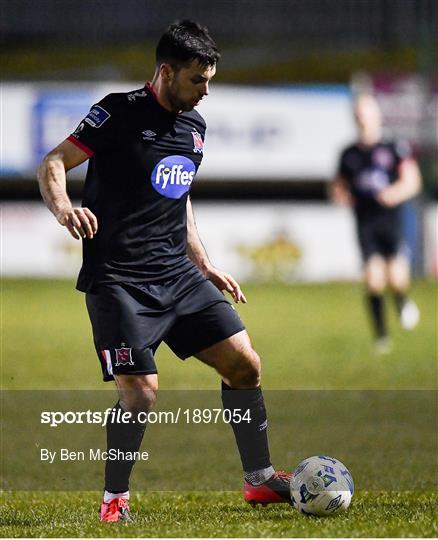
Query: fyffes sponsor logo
[[172, 176], [175, 175], [373, 180]]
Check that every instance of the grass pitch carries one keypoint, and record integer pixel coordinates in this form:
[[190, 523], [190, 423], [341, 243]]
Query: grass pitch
[[216, 514], [309, 337]]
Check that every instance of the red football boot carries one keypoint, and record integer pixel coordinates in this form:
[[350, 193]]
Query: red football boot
[[274, 490], [116, 510]]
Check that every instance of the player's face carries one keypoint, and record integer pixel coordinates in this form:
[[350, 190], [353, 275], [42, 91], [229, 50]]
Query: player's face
[[188, 85], [367, 114]]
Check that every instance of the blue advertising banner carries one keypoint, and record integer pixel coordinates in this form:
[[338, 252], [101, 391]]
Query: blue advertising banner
[[55, 114]]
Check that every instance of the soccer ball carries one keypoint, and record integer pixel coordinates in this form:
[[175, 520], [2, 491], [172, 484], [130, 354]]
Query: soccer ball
[[321, 486]]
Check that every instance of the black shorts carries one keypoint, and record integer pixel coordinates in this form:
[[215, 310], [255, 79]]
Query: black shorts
[[380, 235], [130, 320]]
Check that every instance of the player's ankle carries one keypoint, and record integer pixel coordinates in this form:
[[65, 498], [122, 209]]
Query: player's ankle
[[258, 477], [109, 496]]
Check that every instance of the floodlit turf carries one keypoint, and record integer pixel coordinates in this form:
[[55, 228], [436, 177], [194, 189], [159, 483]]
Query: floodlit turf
[[309, 337], [216, 514]]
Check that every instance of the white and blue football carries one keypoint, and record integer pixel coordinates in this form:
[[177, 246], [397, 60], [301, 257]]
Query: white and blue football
[[321, 486]]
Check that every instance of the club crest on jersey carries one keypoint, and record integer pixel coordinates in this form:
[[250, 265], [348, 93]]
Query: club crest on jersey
[[172, 176], [97, 116], [124, 357], [198, 143]]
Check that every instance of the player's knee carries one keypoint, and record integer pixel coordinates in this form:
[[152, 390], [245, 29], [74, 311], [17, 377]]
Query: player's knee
[[376, 287], [398, 277], [376, 282], [140, 395], [139, 401], [375, 275], [398, 284], [246, 373]]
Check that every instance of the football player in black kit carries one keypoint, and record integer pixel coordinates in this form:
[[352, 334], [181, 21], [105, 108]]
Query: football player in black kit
[[145, 272], [375, 177]]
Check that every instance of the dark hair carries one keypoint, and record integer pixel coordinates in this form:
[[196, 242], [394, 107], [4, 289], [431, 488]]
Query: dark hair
[[184, 42]]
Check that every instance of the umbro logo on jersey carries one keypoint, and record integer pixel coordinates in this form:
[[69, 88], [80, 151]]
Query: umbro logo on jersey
[[79, 129], [135, 95], [148, 135]]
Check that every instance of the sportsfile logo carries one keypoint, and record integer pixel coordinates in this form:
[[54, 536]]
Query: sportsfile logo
[[172, 176]]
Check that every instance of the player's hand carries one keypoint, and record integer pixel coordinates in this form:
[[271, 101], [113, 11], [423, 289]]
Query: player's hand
[[80, 222], [344, 199], [387, 197], [225, 282], [339, 193]]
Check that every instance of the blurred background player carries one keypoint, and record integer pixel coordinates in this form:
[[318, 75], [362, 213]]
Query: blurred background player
[[376, 177]]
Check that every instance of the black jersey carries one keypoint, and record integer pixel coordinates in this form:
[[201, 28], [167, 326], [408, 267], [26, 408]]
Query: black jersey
[[143, 160], [369, 169]]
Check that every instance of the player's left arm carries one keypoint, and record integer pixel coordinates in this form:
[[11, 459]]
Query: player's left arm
[[405, 187], [198, 255]]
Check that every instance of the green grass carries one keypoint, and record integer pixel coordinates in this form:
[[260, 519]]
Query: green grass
[[309, 337], [216, 514]]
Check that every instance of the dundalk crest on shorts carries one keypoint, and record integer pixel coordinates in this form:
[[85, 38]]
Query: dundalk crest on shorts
[[124, 357]]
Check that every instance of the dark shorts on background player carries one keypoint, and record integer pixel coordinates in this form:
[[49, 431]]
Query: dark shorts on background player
[[130, 320], [380, 236]]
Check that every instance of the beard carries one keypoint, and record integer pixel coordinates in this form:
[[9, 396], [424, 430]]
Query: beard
[[176, 102]]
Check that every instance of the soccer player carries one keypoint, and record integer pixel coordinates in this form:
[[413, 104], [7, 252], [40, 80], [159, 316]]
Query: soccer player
[[375, 177], [145, 272]]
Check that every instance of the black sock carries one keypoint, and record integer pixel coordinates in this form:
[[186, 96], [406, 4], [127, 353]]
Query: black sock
[[377, 312], [400, 301], [252, 437], [127, 438]]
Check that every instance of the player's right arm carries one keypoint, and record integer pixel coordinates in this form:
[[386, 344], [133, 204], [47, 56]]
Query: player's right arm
[[339, 192], [338, 188], [80, 222]]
